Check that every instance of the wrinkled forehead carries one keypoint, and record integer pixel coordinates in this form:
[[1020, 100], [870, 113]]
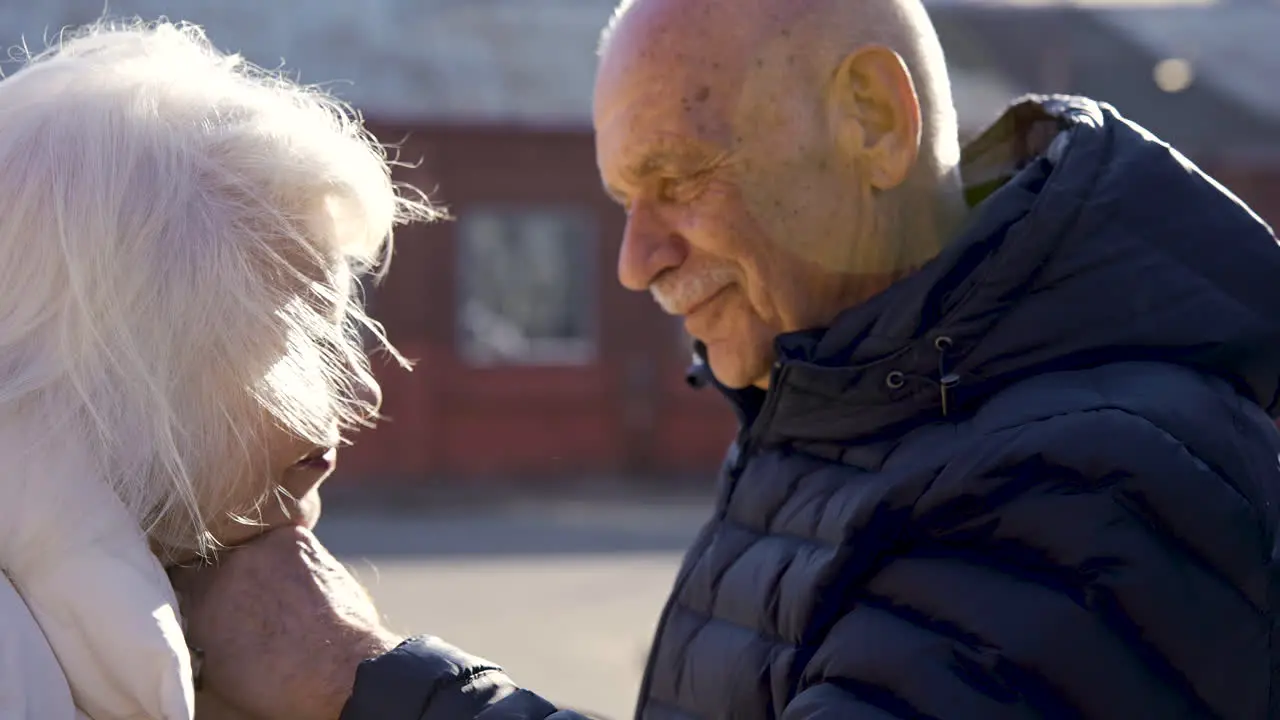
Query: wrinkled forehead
[[679, 75], [318, 275], [341, 280], [332, 290]]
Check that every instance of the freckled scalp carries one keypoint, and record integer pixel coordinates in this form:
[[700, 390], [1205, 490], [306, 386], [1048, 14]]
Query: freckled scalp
[[770, 49]]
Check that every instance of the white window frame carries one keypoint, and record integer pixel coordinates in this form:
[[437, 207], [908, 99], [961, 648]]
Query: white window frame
[[521, 350]]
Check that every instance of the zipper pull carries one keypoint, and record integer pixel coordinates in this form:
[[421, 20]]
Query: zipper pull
[[944, 385]]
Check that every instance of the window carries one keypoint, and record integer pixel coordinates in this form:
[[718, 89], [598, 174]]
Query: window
[[525, 282]]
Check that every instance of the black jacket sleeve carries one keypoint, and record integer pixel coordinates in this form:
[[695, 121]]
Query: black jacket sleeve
[[427, 679], [1088, 565]]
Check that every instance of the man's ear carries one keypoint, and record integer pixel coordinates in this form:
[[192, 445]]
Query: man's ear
[[875, 113]]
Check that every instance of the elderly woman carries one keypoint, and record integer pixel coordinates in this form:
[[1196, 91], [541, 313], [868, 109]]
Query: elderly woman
[[180, 340]]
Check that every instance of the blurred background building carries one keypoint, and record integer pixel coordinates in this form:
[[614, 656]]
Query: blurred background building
[[525, 342], [535, 370]]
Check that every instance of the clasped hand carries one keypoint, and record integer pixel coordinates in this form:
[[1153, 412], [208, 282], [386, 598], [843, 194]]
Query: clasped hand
[[282, 625]]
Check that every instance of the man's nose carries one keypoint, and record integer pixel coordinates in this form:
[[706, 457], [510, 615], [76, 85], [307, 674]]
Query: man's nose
[[649, 248]]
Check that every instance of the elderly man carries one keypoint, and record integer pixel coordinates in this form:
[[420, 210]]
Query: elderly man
[[1006, 448]]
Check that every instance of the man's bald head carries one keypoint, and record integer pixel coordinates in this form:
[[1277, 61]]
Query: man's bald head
[[812, 36], [780, 160]]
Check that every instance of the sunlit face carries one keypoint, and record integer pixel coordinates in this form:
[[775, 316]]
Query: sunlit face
[[280, 478], [739, 219], [278, 485], [297, 468]]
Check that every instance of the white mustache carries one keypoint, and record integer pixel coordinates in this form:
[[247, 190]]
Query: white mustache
[[678, 294]]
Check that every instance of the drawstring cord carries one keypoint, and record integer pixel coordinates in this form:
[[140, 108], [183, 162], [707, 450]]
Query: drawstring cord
[[946, 380]]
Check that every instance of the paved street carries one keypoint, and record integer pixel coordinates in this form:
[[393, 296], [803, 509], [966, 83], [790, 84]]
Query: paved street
[[564, 595]]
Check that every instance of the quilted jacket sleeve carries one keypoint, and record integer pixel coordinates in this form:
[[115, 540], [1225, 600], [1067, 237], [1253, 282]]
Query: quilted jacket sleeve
[[1086, 565], [427, 679]]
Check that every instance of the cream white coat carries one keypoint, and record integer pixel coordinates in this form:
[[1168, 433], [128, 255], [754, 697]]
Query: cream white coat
[[89, 624]]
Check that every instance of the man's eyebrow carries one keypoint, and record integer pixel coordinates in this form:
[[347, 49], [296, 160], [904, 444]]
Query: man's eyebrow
[[659, 159], [644, 164], [669, 159], [674, 158]]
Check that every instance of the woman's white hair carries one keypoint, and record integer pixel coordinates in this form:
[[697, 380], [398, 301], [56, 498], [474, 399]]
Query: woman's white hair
[[180, 239]]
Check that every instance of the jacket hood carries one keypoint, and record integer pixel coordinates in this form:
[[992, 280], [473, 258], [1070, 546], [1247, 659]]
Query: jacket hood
[[1090, 242]]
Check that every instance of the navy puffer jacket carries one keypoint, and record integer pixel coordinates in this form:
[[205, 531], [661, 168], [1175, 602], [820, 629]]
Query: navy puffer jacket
[[1036, 479]]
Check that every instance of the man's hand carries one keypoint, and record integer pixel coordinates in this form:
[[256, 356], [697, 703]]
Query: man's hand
[[283, 626]]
